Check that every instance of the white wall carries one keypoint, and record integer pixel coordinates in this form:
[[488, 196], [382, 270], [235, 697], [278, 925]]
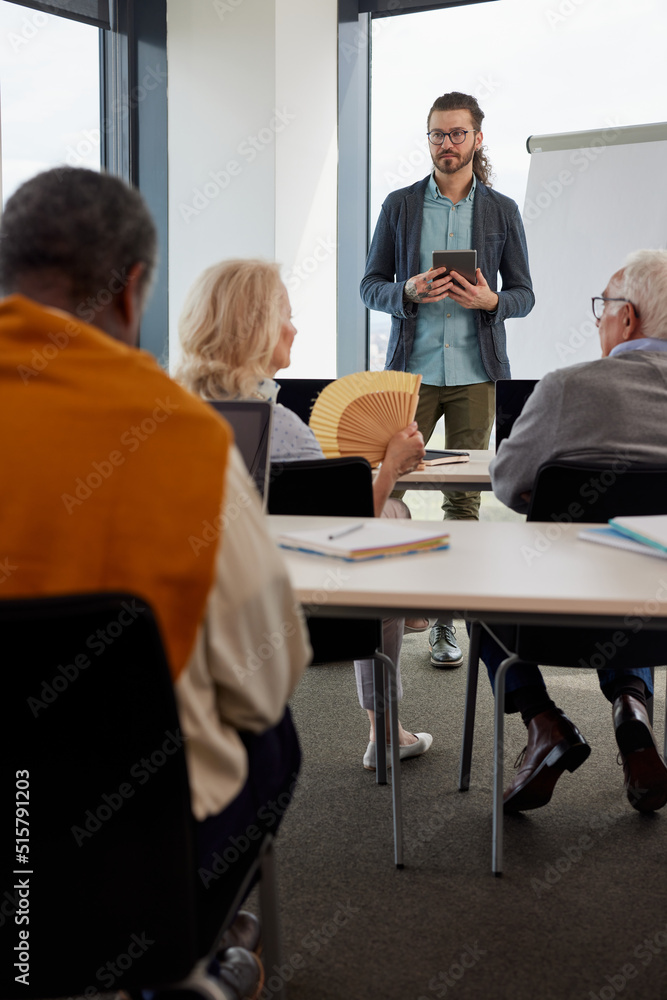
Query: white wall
[[306, 177], [252, 153]]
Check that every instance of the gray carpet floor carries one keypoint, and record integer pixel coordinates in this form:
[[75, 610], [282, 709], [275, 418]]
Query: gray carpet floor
[[580, 913]]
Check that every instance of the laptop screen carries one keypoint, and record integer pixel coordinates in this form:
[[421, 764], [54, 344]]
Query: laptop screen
[[511, 396], [251, 422]]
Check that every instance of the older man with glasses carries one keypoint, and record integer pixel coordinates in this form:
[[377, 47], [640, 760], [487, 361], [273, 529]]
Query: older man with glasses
[[592, 412], [443, 326]]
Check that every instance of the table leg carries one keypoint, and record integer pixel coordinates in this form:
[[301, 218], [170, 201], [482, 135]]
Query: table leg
[[379, 703], [469, 712], [397, 803]]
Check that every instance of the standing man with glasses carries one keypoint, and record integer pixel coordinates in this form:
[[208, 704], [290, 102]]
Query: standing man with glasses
[[448, 330]]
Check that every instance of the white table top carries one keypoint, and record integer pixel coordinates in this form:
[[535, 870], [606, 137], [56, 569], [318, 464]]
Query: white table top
[[496, 567], [474, 473]]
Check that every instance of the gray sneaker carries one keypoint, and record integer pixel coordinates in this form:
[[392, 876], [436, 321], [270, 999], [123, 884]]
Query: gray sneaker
[[445, 654]]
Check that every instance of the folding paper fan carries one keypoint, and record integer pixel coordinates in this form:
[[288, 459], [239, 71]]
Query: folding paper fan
[[358, 414]]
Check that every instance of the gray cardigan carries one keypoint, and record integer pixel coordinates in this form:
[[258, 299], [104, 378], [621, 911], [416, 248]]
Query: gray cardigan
[[611, 411], [500, 241]]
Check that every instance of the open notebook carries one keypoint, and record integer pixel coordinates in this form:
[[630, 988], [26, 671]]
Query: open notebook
[[373, 539]]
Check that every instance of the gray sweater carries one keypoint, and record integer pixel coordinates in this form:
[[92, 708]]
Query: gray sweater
[[612, 409]]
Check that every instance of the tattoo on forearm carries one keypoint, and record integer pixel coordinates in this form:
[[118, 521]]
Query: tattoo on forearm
[[410, 291]]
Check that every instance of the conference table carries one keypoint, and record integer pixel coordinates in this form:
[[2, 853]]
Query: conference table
[[472, 475], [493, 572]]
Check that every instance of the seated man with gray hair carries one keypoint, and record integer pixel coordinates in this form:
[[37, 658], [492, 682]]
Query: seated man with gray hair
[[114, 477], [591, 412]]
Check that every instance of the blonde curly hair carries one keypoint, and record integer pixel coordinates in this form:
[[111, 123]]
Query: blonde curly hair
[[229, 328]]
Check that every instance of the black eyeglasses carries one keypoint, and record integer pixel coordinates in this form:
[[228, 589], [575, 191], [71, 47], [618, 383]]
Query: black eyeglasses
[[457, 135], [598, 302]]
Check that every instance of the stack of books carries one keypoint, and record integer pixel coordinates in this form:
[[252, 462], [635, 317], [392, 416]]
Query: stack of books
[[373, 539], [640, 533]]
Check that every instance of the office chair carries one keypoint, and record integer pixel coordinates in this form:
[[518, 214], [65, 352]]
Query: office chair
[[343, 487], [299, 394], [588, 493], [511, 395], [105, 854]]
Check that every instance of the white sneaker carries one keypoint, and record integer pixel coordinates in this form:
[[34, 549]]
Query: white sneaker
[[424, 741]]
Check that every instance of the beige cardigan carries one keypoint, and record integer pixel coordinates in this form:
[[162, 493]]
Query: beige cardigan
[[250, 651]]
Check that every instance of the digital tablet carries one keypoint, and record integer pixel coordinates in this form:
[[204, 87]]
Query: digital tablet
[[464, 262]]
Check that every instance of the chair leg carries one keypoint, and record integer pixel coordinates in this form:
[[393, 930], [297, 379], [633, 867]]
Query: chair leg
[[498, 757], [470, 705], [268, 901], [649, 701], [397, 803], [379, 703]]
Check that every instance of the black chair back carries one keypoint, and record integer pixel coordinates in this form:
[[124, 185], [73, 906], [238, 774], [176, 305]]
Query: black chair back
[[583, 492], [338, 487], [328, 487], [92, 748], [511, 397], [575, 491], [299, 394]]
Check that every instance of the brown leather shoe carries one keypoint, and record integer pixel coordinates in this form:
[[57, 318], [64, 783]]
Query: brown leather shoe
[[244, 932], [242, 974], [643, 767], [554, 745]]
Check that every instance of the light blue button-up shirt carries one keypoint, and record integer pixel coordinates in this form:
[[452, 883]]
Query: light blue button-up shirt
[[642, 344], [446, 348]]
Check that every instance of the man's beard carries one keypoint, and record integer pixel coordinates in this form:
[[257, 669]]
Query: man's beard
[[451, 166]]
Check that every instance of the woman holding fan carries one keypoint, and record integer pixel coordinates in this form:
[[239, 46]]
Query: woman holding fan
[[236, 332]]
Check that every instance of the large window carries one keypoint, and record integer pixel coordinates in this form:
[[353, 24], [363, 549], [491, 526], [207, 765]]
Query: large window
[[535, 66], [86, 85], [49, 94]]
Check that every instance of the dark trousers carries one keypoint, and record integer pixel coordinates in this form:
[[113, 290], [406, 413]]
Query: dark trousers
[[228, 843], [524, 674]]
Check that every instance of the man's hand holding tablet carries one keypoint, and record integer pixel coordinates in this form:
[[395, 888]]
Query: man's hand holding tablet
[[431, 286], [462, 263], [469, 287]]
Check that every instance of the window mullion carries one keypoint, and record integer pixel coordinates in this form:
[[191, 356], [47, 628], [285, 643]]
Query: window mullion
[[117, 118]]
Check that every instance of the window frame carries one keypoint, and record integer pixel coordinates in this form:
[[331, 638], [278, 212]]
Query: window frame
[[133, 65], [133, 121]]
